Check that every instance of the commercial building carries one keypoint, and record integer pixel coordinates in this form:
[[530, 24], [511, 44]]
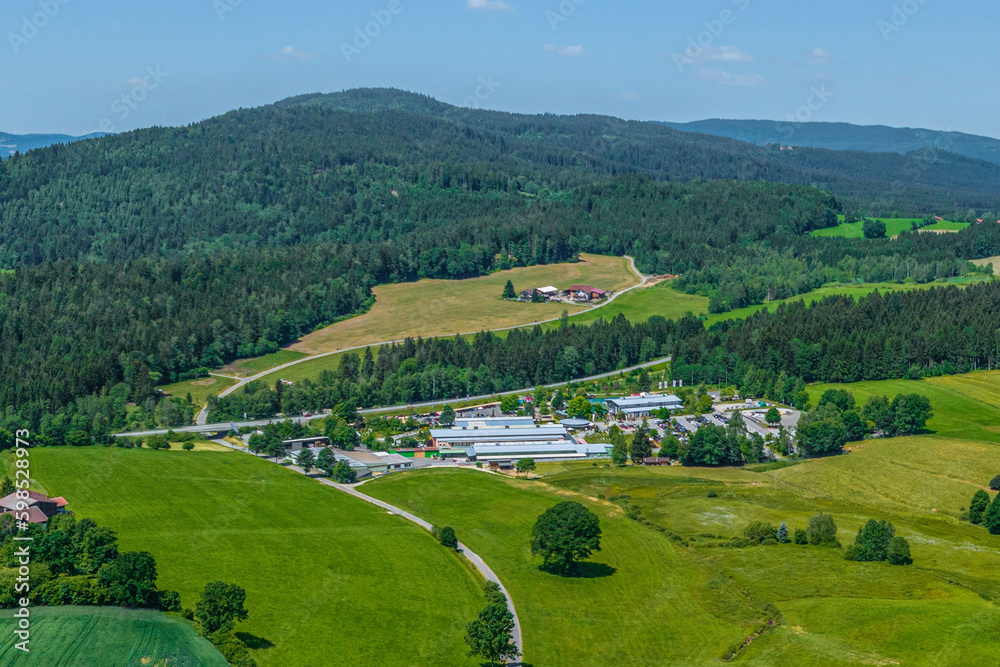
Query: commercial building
[[298, 444], [505, 455], [637, 407], [493, 422], [376, 463], [449, 438]]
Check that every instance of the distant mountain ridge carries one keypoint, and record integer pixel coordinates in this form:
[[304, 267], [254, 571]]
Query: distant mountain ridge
[[911, 181], [847, 137], [12, 143]]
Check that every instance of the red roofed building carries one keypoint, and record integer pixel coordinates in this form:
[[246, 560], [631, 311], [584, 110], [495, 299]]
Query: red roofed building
[[36, 508], [586, 293]]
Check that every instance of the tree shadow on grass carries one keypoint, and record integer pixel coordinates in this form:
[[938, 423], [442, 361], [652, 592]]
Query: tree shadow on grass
[[585, 570], [253, 641]]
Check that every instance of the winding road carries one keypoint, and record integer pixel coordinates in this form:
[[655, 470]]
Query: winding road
[[474, 558], [202, 418]]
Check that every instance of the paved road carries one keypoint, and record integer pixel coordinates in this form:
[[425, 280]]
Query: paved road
[[471, 555], [225, 426], [203, 414]]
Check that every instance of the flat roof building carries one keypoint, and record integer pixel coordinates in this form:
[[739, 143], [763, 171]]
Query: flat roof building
[[509, 453], [642, 406], [459, 437], [493, 422]]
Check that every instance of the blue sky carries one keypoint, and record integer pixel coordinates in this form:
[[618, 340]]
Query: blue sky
[[74, 66]]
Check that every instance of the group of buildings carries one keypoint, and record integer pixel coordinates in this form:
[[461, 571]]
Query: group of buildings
[[36, 508], [579, 293], [500, 442]]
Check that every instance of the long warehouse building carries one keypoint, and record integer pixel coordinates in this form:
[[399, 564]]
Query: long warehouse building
[[642, 406]]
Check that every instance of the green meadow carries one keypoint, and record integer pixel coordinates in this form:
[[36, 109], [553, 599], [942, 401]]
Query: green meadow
[[85, 636], [329, 579], [855, 230], [942, 610]]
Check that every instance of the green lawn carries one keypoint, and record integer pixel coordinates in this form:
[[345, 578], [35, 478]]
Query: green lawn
[[854, 230], [945, 226], [942, 610], [641, 304], [107, 636], [643, 602], [328, 578], [248, 367], [199, 389]]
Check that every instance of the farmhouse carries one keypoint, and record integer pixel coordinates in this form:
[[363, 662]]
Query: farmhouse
[[635, 407], [548, 292], [585, 293], [40, 508]]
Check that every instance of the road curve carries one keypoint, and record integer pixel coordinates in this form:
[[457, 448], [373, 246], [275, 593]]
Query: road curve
[[202, 417], [474, 558]]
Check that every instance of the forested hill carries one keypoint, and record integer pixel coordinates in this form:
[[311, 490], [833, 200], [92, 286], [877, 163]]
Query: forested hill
[[22, 143], [847, 137], [139, 258], [932, 179]]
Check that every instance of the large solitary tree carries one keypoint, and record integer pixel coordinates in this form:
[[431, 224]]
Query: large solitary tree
[[565, 534], [220, 606]]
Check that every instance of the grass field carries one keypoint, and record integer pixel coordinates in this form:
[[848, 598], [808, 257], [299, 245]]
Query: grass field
[[446, 307], [247, 367], [855, 230], [992, 261], [945, 226], [107, 636], [639, 603], [942, 610], [641, 304], [329, 579], [199, 389]]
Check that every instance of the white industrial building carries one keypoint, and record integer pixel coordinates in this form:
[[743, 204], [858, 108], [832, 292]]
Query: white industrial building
[[635, 407]]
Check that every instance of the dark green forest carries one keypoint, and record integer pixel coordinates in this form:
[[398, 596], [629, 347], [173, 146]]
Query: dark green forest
[[138, 259], [908, 334]]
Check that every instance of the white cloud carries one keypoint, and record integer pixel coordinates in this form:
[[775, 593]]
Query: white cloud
[[576, 51], [819, 57], [489, 5], [629, 96], [136, 81], [729, 79], [728, 54], [292, 52]]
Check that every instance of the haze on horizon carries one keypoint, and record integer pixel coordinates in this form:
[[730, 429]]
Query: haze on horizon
[[77, 68]]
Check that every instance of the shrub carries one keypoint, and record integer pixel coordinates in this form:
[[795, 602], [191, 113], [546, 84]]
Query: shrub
[[899, 551], [713, 494], [187, 446], [801, 536], [992, 516], [760, 532], [822, 531], [977, 508], [447, 537], [872, 542], [995, 483]]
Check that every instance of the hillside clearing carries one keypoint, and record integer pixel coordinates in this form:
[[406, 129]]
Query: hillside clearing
[[446, 307]]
